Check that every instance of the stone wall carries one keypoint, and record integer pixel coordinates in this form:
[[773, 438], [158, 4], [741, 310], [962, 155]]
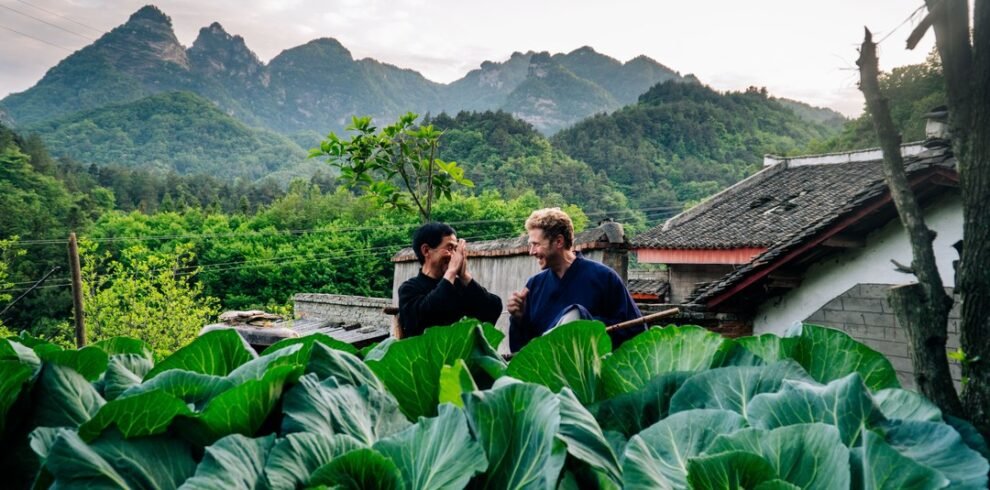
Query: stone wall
[[863, 312], [339, 308]]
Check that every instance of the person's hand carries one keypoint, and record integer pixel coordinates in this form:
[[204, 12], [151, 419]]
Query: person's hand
[[463, 273], [517, 303], [455, 264]]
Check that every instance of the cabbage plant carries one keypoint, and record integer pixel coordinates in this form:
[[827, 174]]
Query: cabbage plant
[[675, 407]]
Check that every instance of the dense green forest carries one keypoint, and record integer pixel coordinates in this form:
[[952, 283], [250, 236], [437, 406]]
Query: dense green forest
[[177, 131], [175, 238], [504, 153], [237, 243], [684, 141]]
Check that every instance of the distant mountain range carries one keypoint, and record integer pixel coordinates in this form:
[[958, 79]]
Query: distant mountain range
[[318, 86], [114, 92]]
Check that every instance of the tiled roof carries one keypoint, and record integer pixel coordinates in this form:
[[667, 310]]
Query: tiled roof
[[351, 334], [831, 204], [779, 203], [591, 238], [647, 286]]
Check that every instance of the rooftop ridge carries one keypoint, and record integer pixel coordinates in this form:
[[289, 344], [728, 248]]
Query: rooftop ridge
[[854, 156]]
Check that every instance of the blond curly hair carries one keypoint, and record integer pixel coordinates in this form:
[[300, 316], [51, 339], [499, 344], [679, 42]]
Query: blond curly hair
[[553, 222]]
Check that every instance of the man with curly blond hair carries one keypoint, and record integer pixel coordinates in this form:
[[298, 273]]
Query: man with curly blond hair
[[569, 287]]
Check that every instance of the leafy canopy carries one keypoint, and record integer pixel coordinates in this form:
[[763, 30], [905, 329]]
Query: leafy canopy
[[397, 166]]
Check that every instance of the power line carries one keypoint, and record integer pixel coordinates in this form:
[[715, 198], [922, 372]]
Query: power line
[[913, 15], [36, 38], [620, 212], [383, 250], [43, 21], [56, 14]]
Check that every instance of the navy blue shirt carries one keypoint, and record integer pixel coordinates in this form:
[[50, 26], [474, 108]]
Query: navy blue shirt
[[587, 283]]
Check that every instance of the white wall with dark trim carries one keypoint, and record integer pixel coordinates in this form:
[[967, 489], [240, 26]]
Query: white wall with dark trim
[[868, 265]]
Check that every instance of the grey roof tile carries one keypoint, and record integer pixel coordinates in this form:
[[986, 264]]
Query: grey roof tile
[[869, 185], [774, 205]]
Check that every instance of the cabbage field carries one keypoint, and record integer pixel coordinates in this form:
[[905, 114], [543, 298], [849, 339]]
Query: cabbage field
[[675, 407]]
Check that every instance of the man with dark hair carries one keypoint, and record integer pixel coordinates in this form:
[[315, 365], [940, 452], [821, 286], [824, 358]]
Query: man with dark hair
[[444, 291], [570, 286]]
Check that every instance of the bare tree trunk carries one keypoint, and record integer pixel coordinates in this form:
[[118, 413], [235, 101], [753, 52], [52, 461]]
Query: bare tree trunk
[[974, 267], [967, 80], [931, 363], [923, 308]]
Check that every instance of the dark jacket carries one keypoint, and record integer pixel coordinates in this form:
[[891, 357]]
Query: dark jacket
[[427, 302], [586, 283]]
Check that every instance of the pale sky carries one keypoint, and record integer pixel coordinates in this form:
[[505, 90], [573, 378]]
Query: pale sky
[[804, 50]]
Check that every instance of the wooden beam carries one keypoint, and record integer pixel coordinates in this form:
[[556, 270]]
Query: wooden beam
[[783, 281], [844, 241]]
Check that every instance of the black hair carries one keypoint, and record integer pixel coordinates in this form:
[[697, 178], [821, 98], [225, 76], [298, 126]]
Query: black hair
[[431, 234]]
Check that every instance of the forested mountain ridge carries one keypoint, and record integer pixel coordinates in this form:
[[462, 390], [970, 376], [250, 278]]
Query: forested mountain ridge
[[177, 131], [684, 141], [501, 152], [317, 86], [115, 101]]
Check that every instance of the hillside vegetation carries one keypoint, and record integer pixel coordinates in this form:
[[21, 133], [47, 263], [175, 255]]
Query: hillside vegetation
[[682, 142], [177, 131]]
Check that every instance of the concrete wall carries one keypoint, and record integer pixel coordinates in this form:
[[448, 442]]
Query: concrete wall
[[863, 313], [343, 309], [684, 278], [868, 265]]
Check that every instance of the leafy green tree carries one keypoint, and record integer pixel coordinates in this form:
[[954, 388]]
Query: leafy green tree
[[7, 253], [912, 91], [397, 166], [154, 298], [504, 153]]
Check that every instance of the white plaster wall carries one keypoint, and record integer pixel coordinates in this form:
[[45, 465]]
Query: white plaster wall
[[870, 264]]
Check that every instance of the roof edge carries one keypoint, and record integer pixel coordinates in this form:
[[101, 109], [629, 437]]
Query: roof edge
[[774, 257], [853, 156], [773, 164]]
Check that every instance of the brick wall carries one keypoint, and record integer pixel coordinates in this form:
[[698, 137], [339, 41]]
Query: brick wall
[[863, 313], [339, 308]]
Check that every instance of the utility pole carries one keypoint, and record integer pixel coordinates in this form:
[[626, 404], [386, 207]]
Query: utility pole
[[77, 301]]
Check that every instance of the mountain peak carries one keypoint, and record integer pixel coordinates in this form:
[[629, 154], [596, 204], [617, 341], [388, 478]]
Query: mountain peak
[[584, 50], [150, 13], [144, 40], [214, 28], [643, 59], [216, 52], [326, 46], [215, 36]]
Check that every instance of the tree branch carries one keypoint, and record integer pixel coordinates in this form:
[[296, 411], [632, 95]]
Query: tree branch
[[412, 192], [429, 181], [919, 32], [925, 322]]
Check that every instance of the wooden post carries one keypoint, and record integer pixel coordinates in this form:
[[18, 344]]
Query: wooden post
[[77, 301], [642, 321]]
